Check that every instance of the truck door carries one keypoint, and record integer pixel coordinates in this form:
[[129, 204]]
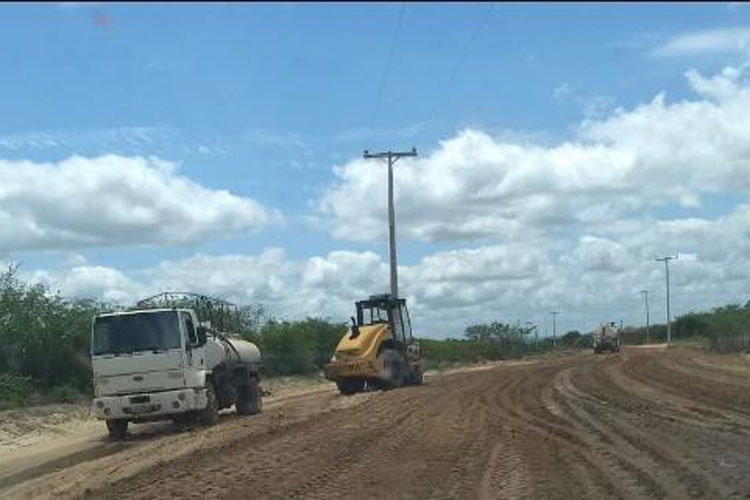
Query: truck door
[[191, 338]]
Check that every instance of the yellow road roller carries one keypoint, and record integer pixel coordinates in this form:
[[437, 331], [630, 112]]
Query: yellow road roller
[[378, 351]]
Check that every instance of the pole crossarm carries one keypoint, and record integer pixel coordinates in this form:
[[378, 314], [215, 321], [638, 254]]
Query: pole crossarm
[[389, 154]]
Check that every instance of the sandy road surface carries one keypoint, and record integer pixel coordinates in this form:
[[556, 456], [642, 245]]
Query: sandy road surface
[[649, 423]]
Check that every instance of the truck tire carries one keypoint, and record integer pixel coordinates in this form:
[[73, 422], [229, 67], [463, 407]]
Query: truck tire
[[249, 400], [395, 369], [351, 386], [117, 428], [416, 378], [210, 414]]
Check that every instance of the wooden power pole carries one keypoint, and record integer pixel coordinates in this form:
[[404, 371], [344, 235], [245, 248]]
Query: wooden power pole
[[392, 158]]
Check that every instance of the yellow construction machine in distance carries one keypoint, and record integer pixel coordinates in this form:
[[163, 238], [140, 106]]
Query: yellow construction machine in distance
[[378, 351]]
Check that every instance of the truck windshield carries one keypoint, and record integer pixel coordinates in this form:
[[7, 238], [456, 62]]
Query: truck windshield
[[136, 332]]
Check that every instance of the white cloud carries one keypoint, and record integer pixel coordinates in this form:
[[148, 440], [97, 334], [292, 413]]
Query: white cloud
[[562, 90], [125, 141], [592, 277], [474, 186], [114, 200], [120, 137], [268, 138], [704, 42], [86, 281], [573, 226]]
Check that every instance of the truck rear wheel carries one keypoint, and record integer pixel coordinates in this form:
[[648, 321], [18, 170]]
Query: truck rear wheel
[[249, 401], [117, 428], [210, 414], [351, 386]]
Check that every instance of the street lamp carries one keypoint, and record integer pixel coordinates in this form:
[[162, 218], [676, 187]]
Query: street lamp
[[666, 260]]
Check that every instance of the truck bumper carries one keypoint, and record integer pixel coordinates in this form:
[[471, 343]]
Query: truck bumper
[[348, 368], [148, 405]]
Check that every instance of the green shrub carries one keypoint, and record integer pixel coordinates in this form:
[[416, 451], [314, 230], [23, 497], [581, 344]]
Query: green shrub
[[16, 389], [66, 394]]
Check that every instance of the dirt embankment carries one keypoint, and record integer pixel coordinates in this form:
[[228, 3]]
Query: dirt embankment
[[650, 423]]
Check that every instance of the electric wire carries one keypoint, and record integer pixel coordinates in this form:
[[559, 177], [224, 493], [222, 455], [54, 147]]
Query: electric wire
[[386, 70], [462, 59]]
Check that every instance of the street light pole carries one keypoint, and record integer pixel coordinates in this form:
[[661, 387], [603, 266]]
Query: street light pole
[[666, 260], [392, 158], [645, 297]]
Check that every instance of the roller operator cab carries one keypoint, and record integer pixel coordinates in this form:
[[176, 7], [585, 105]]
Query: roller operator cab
[[163, 364], [378, 350]]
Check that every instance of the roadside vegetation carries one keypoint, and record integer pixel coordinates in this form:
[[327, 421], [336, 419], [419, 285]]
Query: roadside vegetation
[[44, 341], [723, 329]]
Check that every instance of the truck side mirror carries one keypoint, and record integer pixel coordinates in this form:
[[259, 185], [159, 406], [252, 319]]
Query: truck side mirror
[[201, 331]]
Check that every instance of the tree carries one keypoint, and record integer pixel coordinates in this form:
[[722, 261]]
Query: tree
[[571, 338]]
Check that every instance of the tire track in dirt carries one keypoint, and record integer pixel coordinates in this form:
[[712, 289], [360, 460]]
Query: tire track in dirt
[[580, 426]]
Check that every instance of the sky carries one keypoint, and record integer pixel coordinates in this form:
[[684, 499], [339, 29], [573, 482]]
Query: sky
[[217, 148]]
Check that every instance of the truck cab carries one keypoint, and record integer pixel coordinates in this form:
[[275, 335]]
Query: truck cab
[[159, 364]]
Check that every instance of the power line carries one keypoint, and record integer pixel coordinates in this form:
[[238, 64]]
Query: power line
[[386, 70], [477, 30]]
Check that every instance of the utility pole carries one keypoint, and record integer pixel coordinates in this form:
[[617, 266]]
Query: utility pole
[[392, 158], [666, 260], [554, 327], [645, 297]]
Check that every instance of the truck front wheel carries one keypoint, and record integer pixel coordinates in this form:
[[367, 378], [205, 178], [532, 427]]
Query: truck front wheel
[[117, 428], [249, 400], [210, 414]]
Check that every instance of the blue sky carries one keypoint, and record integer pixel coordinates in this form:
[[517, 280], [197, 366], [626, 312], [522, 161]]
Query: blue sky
[[265, 100]]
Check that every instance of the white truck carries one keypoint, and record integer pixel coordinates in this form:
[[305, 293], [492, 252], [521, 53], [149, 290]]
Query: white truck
[[607, 338], [158, 364]]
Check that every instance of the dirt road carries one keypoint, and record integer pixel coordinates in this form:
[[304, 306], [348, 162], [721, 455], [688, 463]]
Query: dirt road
[[649, 423]]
